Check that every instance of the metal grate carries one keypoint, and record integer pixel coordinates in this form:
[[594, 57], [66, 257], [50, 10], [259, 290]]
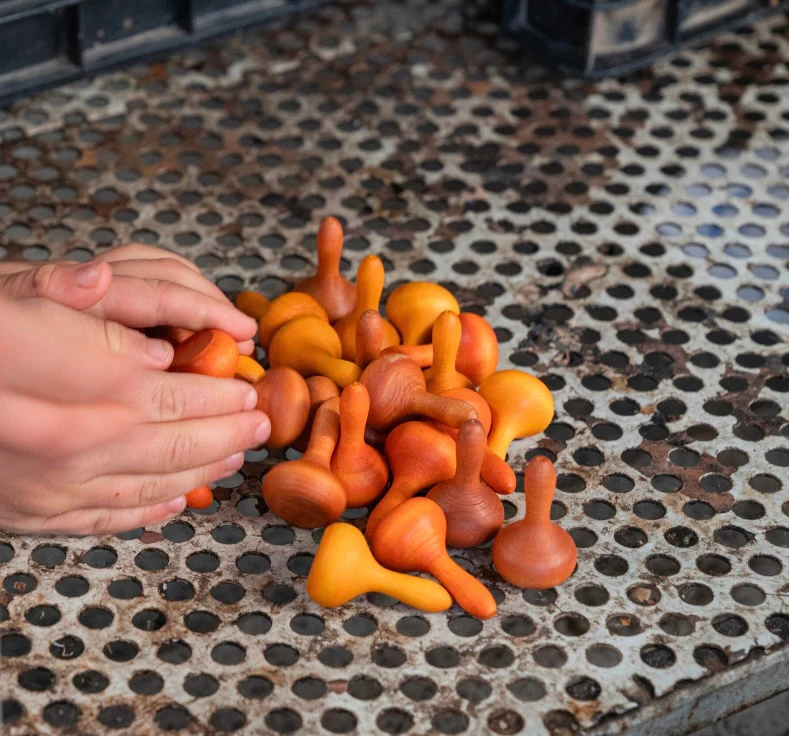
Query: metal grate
[[627, 239]]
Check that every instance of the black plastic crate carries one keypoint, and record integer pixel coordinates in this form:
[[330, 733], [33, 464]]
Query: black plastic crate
[[48, 42], [599, 38]]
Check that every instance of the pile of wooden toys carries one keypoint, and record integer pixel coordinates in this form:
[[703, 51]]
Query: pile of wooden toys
[[384, 409]]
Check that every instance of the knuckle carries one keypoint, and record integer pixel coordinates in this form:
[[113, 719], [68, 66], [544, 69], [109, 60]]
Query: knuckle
[[150, 490], [43, 278], [114, 336], [180, 450], [168, 401]]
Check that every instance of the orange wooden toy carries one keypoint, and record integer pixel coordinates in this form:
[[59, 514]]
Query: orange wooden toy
[[283, 309], [304, 492], [200, 498], [412, 538], [311, 346], [412, 308], [248, 369], [477, 355], [360, 468], [369, 285], [344, 568], [397, 391], [495, 471], [521, 406], [321, 389], [442, 374], [473, 511], [208, 352], [335, 293], [420, 456], [252, 304], [369, 337], [535, 552], [284, 396]]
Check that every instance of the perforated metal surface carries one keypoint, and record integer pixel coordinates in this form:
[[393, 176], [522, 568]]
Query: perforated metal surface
[[627, 239]]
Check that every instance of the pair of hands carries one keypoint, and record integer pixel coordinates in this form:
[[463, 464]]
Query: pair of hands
[[95, 436]]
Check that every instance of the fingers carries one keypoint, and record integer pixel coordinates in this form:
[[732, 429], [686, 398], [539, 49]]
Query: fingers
[[77, 286], [144, 303], [175, 446], [105, 520], [138, 251], [53, 352], [129, 491], [167, 397], [165, 268]]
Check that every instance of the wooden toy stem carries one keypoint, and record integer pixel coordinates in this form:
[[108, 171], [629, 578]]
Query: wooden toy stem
[[369, 337], [325, 433], [447, 411], [471, 595], [342, 372]]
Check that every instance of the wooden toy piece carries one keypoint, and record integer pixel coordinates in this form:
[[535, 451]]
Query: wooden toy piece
[[321, 389], [535, 552], [248, 369], [208, 352], [283, 309], [397, 391], [413, 538], [369, 285], [311, 346], [442, 374], [304, 492], [335, 293], [200, 498], [360, 468], [412, 308], [369, 337], [344, 568], [477, 355], [521, 406], [283, 395], [495, 471], [420, 455], [252, 304], [473, 511], [173, 335]]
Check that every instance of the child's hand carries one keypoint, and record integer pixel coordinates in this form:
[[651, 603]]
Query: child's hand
[[94, 436], [135, 285]]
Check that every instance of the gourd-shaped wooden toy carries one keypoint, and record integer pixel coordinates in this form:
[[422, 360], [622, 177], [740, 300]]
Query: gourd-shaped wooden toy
[[335, 293], [249, 370], [321, 389], [397, 391], [200, 498], [521, 406], [252, 304], [304, 492], [284, 396], [369, 285], [344, 567], [412, 308], [420, 456], [311, 346], [208, 352], [369, 337], [173, 335], [473, 511], [496, 473], [535, 552], [360, 468], [442, 374], [477, 355], [413, 538], [282, 310]]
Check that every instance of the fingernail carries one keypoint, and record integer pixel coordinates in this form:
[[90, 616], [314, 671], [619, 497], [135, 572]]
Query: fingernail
[[250, 400], [177, 505], [160, 350], [263, 431], [87, 276], [234, 462]]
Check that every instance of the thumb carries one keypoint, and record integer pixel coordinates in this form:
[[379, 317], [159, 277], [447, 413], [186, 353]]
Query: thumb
[[77, 286]]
